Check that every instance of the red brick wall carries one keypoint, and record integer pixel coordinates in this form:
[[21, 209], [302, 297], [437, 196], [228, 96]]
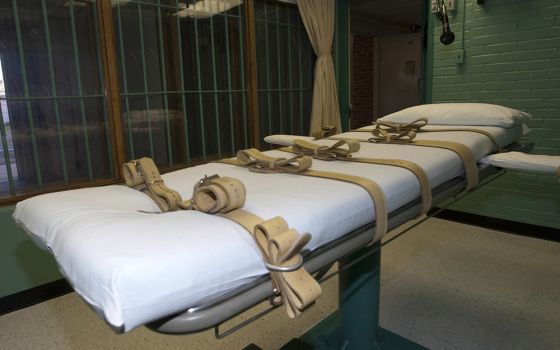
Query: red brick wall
[[362, 80]]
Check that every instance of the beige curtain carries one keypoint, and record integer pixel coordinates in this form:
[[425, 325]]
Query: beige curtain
[[318, 18]]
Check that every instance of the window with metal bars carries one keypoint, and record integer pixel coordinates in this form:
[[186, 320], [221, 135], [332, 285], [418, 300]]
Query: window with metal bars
[[285, 63], [182, 82], [187, 87], [54, 126]]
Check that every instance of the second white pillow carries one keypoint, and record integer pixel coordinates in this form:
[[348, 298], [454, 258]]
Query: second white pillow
[[460, 114]]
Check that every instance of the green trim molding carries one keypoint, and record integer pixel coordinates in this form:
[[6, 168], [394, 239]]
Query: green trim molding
[[342, 60], [429, 53]]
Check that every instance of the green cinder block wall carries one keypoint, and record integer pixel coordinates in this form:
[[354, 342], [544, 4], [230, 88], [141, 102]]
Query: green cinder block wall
[[511, 58]]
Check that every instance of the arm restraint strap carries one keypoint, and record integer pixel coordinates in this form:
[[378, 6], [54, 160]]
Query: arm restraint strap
[[325, 131], [343, 149], [279, 245], [143, 175], [257, 161], [224, 196], [465, 153]]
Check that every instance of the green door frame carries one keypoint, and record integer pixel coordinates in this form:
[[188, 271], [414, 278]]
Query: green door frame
[[428, 54], [342, 60]]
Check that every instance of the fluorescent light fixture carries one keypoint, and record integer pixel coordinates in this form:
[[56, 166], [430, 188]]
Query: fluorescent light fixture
[[208, 8]]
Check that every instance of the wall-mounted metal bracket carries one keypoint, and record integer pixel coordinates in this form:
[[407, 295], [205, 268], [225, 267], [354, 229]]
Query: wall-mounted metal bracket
[[449, 4]]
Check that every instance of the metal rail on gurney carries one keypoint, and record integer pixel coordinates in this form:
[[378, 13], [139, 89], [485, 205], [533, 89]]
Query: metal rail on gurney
[[222, 308]]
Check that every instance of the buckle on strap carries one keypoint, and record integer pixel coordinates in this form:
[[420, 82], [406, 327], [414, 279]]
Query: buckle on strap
[[204, 181], [290, 268], [136, 166]]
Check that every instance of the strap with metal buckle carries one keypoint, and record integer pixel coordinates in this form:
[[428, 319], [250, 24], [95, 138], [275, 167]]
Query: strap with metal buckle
[[143, 175], [341, 149], [325, 131]]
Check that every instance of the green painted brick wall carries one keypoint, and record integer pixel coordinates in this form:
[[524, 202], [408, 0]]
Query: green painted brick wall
[[512, 58]]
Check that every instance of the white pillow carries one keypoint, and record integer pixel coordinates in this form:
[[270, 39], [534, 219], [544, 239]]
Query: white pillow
[[460, 114]]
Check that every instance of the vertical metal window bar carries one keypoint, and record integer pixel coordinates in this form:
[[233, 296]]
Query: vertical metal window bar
[[164, 82], [290, 80], [104, 98], [268, 92], [230, 93], [243, 87], [182, 73], [300, 84], [200, 99], [125, 84], [145, 76], [215, 81], [54, 90], [79, 81], [26, 96], [6, 152], [182, 76], [281, 115]]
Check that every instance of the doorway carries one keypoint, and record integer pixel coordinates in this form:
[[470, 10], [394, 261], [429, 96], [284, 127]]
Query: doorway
[[387, 52]]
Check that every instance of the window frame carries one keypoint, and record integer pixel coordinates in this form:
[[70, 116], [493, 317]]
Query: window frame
[[110, 70]]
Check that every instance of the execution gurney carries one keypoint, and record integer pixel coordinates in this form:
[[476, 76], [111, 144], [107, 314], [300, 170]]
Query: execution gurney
[[186, 271]]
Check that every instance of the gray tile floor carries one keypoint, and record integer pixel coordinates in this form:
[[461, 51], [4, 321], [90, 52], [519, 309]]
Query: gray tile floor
[[444, 285], [452, 286]]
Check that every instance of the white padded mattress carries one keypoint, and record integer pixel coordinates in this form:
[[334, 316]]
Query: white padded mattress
[[134, 267]]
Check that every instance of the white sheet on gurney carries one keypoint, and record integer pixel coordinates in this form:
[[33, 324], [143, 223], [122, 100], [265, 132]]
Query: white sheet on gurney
[[475, 141], [134, 267], [524, 161]]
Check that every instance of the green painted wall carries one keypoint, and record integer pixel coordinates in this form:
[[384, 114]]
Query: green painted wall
[[22, 264], [512, 58]]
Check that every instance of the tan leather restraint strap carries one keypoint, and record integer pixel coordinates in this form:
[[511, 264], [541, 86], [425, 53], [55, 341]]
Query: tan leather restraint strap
[[260, 162], [279, 245], [325, 131], [256, 161], [143, 175], [338, 151], [465, 153], [383, 128], [217, 195], [462, 151], [407, 138]]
